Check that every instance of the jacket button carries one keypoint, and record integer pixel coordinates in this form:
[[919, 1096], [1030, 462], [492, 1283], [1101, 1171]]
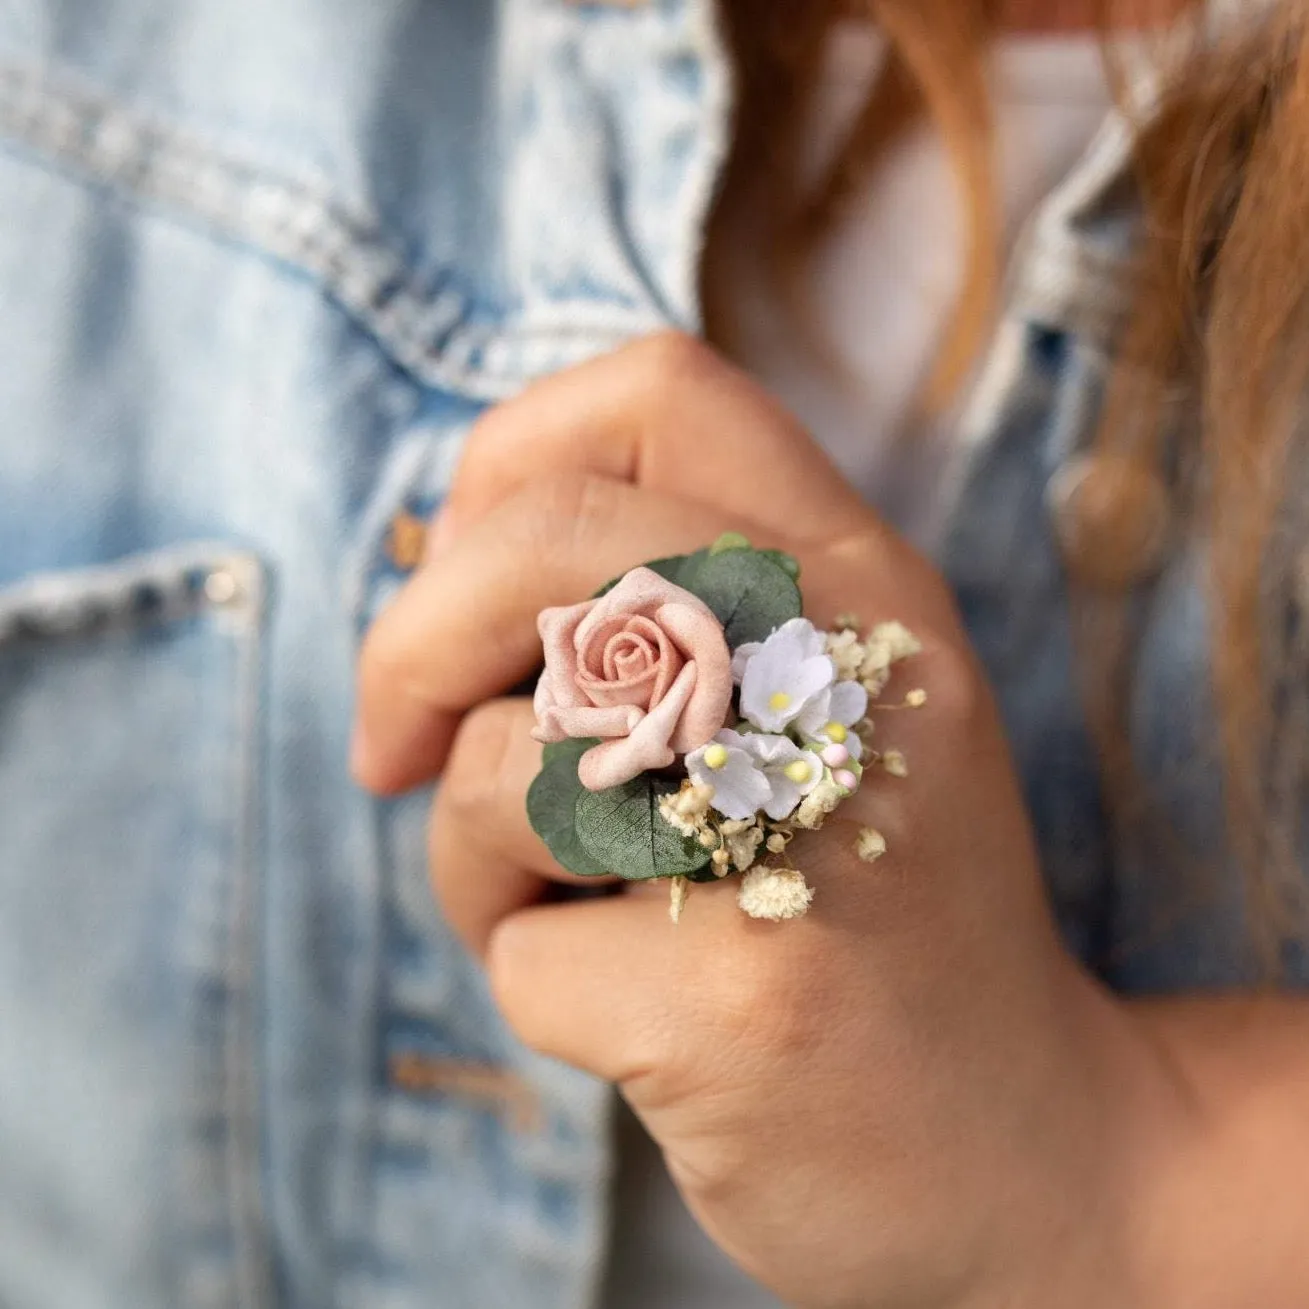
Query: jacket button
[[1113, 516], [406, 541], [222, 587]]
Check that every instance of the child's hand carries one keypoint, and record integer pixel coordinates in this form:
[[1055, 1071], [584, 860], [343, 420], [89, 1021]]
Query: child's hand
[[911, 1096]]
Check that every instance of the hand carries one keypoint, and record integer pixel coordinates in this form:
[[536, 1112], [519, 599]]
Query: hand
[[901, 1099]]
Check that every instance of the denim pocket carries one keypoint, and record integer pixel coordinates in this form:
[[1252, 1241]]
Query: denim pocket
[[127, 855]]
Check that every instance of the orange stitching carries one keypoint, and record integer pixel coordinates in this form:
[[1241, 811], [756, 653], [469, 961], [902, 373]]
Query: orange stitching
[[484, 1083]]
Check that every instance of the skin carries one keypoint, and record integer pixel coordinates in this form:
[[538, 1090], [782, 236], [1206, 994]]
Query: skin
[[912, 1097]]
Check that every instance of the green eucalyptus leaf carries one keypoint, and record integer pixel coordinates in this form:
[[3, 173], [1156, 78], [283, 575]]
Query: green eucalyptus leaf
[[552, 807], [686, 567], [789, 564], [622, 830], [749, 593], [671, 568], [730, 541]]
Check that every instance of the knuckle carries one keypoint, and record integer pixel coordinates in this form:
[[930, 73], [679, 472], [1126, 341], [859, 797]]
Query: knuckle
[[568, 516], [489, 430], [470, 792], [390, 667], [511, 964], [574, 500], [674, 357], [440, 850], [713, 1173], [763, 1001], [383, 658]]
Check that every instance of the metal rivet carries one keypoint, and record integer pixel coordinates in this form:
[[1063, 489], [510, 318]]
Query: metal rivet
[[1113, 515], [222, 587]]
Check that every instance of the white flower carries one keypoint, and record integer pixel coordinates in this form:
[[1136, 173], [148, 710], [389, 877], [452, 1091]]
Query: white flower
[[774, 894], [781, 676], [739, 785], [755, 771], [828, 718], [791, 772]]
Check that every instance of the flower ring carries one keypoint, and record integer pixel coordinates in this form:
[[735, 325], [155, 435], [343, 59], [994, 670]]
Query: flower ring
[[695, 723]]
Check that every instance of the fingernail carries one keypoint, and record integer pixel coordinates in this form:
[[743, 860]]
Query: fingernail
[[361, 751], [402, 746]]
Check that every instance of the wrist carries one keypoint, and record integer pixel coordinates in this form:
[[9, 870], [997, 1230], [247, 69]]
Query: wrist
[[1084, 1232], [1216, 1204]]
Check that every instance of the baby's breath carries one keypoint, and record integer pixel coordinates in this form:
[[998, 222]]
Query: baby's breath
[[678, 889], [774, 894], [820, 802], [870, 845]]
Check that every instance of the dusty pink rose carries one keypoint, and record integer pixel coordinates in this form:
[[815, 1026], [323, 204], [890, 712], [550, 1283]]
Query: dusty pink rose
[[646, 667]]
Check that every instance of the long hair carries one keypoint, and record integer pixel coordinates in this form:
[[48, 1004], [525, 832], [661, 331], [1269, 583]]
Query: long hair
[[1221, 315]]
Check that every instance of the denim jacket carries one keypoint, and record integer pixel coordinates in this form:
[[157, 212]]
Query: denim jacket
[[262, 262]]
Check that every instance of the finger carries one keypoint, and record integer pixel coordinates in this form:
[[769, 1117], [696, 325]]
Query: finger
[[613, 987], [665, 413], [464, 628], [485, 859], [566, 979]]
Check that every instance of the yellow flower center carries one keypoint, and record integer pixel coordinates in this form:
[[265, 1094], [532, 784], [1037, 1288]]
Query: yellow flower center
[[715, 756], [835, 733], [799, 772], [778, 701]]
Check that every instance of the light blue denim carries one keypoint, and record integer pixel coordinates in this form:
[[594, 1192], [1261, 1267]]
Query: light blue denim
[[261, 264]]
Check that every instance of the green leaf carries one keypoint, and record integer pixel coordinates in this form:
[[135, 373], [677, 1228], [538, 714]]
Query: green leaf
[[622, 830], [671, 568], [750, 594], [789, 564], [552, 807], [730, 541]]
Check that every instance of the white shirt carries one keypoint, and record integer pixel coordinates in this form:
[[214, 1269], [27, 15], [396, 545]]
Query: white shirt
[[883, 287]]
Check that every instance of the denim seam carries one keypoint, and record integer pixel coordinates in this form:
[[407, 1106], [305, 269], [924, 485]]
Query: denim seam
[[295, 222], [69, 602], [242, 1062], [718, 109], [180, 583]]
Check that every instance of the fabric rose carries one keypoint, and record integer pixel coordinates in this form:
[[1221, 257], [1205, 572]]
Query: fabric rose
[[645, 667]]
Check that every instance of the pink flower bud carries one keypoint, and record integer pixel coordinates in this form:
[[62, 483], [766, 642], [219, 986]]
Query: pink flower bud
[[845, 778], [836, 755]]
